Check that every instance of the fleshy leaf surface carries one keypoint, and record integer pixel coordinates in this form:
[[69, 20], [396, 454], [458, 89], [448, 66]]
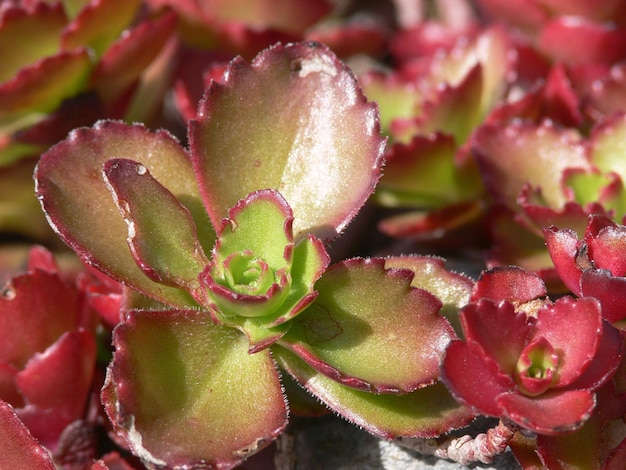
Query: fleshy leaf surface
[[28, 36], [161, 232], [297, 122], [370, 329], [99, 23], [71, 187], [511, 156], [183, 391], [427, 412], [18, 448]]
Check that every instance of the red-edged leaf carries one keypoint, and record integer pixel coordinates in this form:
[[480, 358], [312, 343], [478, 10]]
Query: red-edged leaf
[[99, 23], [508, 283], [552, 413], [608, 250], [161, 233], [71, 188], [605, 362], [426, 173], [609, 290], [182, 391], [571, 318], [432, 223], [430, 273], [501, 332], [514, 155], [473, 378], [128, 57], [428, 412], [563, 248], [369, 329], [18, 448], [27, 36], [43, 86], [298, 123]]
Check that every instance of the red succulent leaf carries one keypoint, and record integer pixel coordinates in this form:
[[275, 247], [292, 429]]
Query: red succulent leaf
[[577, 41], [99, 23], [508, 283], [40, 306], [607, 96], [553, 412], [501, 332], [182, 391], [607, 249], [69, 179], [474, 378], [591, 445], [571, 318], [562, 102], [56, 383], [605, 362], [130, 55], [344, 336], [290, 137], [609, 290], [60, 377], [563, 246], [18, 448], [514, 155]]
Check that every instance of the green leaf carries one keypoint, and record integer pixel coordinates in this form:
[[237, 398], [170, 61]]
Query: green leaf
[[42, 87], [429, 273], [99, 23], [70, 185], [28, 36], [427, 412], [161, 233], [260, 223], [295, 121], [369, 329], [183, 391]]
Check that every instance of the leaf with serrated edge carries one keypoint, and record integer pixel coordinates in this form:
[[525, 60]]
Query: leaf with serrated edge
[[74, 196], [369, 329], [428, 412], [298, 123], [182, 391]]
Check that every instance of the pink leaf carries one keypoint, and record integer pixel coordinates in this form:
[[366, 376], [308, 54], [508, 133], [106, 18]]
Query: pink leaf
[[18, 448], [551, 413], [474, 378]]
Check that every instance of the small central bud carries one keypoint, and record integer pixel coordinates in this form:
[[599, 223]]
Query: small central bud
[[536, 368], [246, 274]]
